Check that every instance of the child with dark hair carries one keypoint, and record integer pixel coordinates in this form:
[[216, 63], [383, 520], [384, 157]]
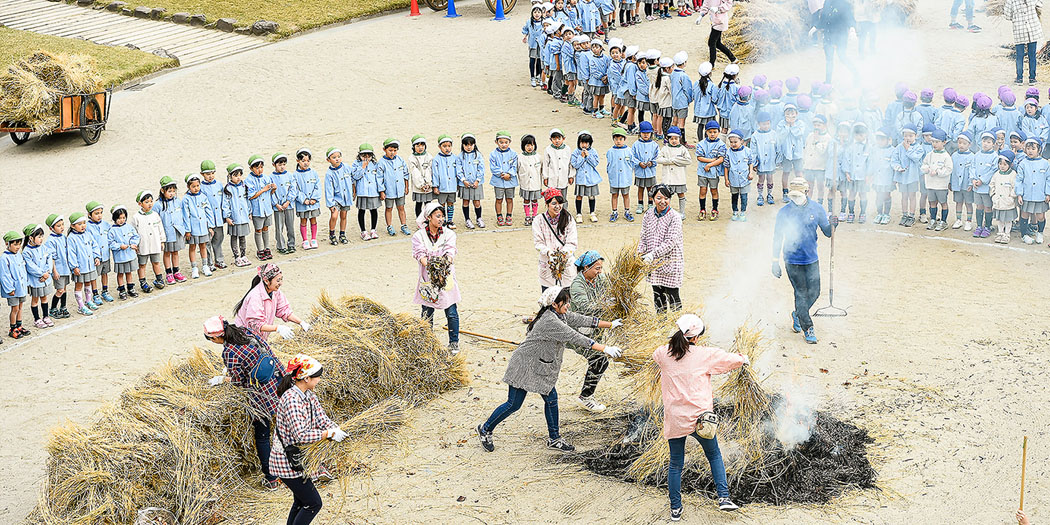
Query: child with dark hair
[[124, 242], [585, 161], [39, 267], [307, 197], [368, 190], [14, 282], [236, 214], [530, 177], [169, 207]]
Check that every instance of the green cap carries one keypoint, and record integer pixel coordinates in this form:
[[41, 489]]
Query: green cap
[[52, 219], [332, 150], [77, 217], [92, 206], [466, 135], [365, 148], [207, 167], [30, 229], [418, 139], [117, 207], [192, 176], [444, 138], [232, 167], [278, 156], [142, 195], [255, 159], [166, 181], [619, 132], [12, 236], [391, 142], [502, 135]]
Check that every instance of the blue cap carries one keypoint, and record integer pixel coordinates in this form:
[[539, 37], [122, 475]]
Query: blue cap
[[821, 118], [928, 128], [1007, 155], [711, 125], [909, 127], [882, 132], [1018, 134], [939, 134], [645, 127], [588, 258], [967, 135], [1035, 139], [735, 133], [763, 116], [673, 130]]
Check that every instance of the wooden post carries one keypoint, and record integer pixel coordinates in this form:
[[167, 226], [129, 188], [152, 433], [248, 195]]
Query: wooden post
[[1024, 459]]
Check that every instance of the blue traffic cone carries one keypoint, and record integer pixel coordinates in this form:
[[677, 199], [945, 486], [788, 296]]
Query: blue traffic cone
[[452, 9], [499, 11]]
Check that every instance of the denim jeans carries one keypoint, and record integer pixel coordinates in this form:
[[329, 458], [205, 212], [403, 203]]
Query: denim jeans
[[674, 469], [451, 315], [1020, 50], [969, 10], [515, 397], [262, 446], [306, 503], [805, 280], [866, 38], [836, 43]]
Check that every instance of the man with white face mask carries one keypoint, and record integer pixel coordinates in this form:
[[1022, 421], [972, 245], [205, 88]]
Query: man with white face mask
[[795, 234]]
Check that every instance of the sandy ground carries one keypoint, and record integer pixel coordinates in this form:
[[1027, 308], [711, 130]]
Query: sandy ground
[[941, 348]]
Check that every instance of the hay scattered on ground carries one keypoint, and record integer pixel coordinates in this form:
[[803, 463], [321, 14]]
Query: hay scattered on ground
[[31, 89], [175, 443]]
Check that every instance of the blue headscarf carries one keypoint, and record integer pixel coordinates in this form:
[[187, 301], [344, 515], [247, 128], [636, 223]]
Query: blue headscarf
[[588, 258]]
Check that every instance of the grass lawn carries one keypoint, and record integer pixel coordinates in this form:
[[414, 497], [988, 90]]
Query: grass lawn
[[292, 16], [115, 65]]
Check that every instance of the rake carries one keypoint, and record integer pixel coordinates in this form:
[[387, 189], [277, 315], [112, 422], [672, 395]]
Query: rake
[[831, 310]]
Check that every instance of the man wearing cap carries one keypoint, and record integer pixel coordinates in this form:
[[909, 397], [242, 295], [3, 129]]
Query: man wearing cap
[[795, 236]]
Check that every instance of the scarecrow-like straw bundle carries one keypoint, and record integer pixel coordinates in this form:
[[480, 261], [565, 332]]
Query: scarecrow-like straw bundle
[[176, 443], [31, 89], [761, 29]]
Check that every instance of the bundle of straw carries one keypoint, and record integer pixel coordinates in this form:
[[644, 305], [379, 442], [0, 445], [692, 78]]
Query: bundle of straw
[[751, 403], [31, 89], [438, 268], [761, 29], [557, 262]]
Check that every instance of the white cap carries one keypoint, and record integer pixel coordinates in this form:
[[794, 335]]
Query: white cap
[[680, 58], [705, 69], [551, 29], [547, 6], [597, 42], [630, 51], [553, 131], [581, 39], [548, 21], [732, 69], [652, 54], [666, 62], [615, 42]]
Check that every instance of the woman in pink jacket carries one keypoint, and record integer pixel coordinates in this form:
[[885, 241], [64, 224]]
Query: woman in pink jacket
[[685, 382], [434, 240], [720, 11], [259, 309], [555, 231]]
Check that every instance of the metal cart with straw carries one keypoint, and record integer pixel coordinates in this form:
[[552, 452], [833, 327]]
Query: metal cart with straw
[[83, 112]]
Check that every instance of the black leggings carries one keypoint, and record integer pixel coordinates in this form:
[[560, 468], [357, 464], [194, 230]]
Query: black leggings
[[714, 44], [597, 363], [307, 502], [665, 297], [534, 67], [648, 9], [361, 218]]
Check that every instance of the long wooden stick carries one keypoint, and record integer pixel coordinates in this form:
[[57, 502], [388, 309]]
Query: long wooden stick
[[489, 337], [1024, 459]]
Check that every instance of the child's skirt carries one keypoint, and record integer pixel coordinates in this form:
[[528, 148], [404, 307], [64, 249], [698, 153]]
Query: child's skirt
[[640, 105], [861, 186], [180, 242], [964, 197], [450, 198], [618, 101], [15, 301], [1034, 207], [128, 267], [702, 121], [85, 277], [63, 281], [681, 113], [198, 239], [665, 111], [530, 195], [647, 182], [619, 191], [422, 197], [680, 189], [236, 230], [368, 203], [983, 200], [1005, 215], [628, 101], [471, 194], [723, 122], [309, 214], [42, 291], [599, 91], [586, 191], [105, 267], [534, 52]]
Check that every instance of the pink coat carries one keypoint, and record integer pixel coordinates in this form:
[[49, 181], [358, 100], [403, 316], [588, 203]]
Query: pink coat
[[686, 385], [719, 11], [261, 308], [544, 238], [662, 237], [422, 246]]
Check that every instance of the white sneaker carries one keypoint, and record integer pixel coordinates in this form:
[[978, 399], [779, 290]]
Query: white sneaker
[[579, 219], [481, 223], [533, 82], [589, 404], [968, 226], [594, 218], [195, 273], [1028, 240], [206, 271], [470, 224], [313, 243], [957, 224], [1039, 237]]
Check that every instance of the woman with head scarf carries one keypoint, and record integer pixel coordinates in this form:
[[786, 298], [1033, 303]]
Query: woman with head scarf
[[662, 244], [250, 364], [584, 291], [554, 236], [264, 302], [433, 240], [685, 386], [535, 364]]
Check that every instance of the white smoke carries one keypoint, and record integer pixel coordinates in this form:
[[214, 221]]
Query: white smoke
[[794, 416]]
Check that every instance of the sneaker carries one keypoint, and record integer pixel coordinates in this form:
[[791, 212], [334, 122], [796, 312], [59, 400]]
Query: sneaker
[[862, 219], [222, 265], [589, 404], [1039, 237], [613, 216], [41, 324], [453, 348], [931, 225], [702, 216], [941, 226], [85, 311], [958, 224], [850, 218], [343, 239], [332, 240], [627, 215], [405, 230], [726, 504], [390, 231], [910, 222], [365, 236], [486, 439], [795, 325], [480, 223], [761, 200], [195, 273], [532, 82], [509, 221], [322, 475], [985, 233], [842, 216], [811, 337], [64, 313], [579, 219], [146, 288], [106, 297], [769, 199], [594, 218], [955, 25], [974, 29], [743, 217], [904, 219], [48, 322], [372, 235], [1028, 239], [641, 209], [713, 215], [922, 218], [1031, 82], [132, 293], [734, 216], [560, 445], [676, 514], [977, 231], [968, 226], [470, 224], [92, 305], [500, 221], [306, 245], [271, 484], [1019, 81], [206, 271]]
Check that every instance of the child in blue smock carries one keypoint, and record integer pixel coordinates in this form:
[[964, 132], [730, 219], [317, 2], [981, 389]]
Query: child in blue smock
[[619, 166], [963, 172], [196, 216], [742, 115], [393, 174], [39, 267], [283, 204], [533, 31], [465, 176], [1007, 114], [307, 197], [643, 156], [81, 254], [907, 161], [710, 154], [260, 201], [58, 247], [338, 194], [598, 77], [739, 172], [169, 208], [585, 162], [14, 282], [1033, 123], [857, 165], [681, 93], [236, 213], [212, 189], [985, 166], [1031, 186], [124, 242], [368, 190], [791, 142], [727, 93], [882, 175], [99, 229], [503, 165], [764, 146]]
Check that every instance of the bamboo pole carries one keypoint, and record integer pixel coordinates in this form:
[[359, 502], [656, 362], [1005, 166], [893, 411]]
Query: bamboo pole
[[489, 337], [1024, 459]]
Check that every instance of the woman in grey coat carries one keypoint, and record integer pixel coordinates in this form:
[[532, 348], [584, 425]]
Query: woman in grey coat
[[536, 362]]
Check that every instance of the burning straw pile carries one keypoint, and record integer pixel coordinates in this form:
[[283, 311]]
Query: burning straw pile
[[176, 443], [31, 89]]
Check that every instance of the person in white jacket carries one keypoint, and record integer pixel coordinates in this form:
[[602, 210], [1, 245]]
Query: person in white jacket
[[674, 157], [937, 166], [530, 177], [420, 175], [556, 163]]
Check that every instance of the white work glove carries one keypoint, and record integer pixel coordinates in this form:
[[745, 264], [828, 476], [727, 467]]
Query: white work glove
[[699, 18], [285, 332], [305, 326], [648, 258], [616, 323], [217, 380], [812, 30], [747, 361], [338, 435], [546, 252], [613, 352]]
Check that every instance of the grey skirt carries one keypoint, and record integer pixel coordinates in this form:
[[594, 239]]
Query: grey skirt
[[309, 214], [647, 182], [586, 191], [85, 277], [261, 222], [180, 242], [42, 291], [391, 203], [707, 182], [339, 208], [859, 186], [127, 267], [530, 195], [199, 239], [422, 197], [964, 197], [937, 195], [681, 113], [618, 101], [677, 188], [642, 105], [471, 194], [62, 282], [628, 100], [368, 203], [534, 52], [667, 112], [504, 193], [15, 301], [724, 123], [702, 120], [619, 191], [982, 199], [1005, 215], [1034, 207], [236, 230], [105, 267], [599, 90]]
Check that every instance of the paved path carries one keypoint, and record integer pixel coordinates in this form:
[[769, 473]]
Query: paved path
[[191, 45]]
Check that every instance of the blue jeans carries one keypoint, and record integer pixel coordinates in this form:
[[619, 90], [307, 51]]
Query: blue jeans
[[969, 10], [306, 502], [262, 446], [674, 469], [515, 397], [451, 315], [836, 43], [1020, 50], [805, 281]]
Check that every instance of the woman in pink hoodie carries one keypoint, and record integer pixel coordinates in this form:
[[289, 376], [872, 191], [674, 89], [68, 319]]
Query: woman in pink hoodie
[[720, 11], [264, 303], [685, 382]]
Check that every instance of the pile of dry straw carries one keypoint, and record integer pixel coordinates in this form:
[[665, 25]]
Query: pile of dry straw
[[31, 89], [176, 443]]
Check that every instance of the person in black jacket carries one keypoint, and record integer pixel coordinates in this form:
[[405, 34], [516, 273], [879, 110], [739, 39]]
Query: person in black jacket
[[835, 19]]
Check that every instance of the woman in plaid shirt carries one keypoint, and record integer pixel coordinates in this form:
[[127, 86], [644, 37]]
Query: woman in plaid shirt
[[662, 241], [241, 351], [300, 420], [1027, 30]]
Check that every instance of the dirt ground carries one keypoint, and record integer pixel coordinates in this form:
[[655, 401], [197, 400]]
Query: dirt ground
[[940, 355]]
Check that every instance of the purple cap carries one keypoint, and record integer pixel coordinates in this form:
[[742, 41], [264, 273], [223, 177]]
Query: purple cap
[[1031, 91], [1008, 97], [961, 101], [762, 116], [949, 95], [899, 89], [978, 95], [909, 98], [762, 95], [926, 95], [759, 80], [776, 83], [825, 90], [983, 102], [776, 91], [805, 102], [792, 83], [1002, 87], [744, 92], [1031, 101]]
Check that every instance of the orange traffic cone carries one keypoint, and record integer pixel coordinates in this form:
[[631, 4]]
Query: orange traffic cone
[[415, 9]]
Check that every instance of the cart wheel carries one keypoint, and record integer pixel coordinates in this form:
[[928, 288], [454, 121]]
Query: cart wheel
[[91, 124], [437, 5], [19, 137], [508, 5]]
